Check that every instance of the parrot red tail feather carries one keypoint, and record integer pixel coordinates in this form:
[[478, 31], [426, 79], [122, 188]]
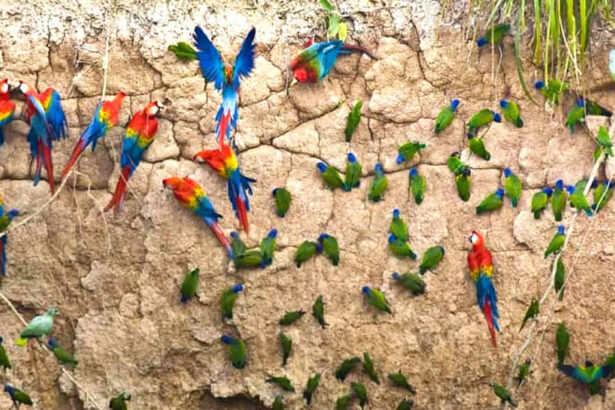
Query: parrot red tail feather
[[219, 234], [223, 126], [242, 215], [48, 165], [120, 192], [74, 157], [488, 318]]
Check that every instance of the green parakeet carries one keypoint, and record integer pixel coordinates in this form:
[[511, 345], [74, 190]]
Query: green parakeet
[[64, 357], [481, 119], [552, 91], [512, 186], [287, 346], [5, 363], [305, 251], [560, 278], [540, 200], [562, 339], [310, 388], [282, 201], [360, 392], [576, 115], [405, 405], [557, 242], [493, 35], [268, 247], [378, 185], [346, 367], [330, 176], [417, 186], [445, 116], [524, 371], [18, 397], [369, 368], [376, 298], [330, 248], [38, 327], [318, 310], [228, 299], [399, 380], [578, 200], [400, 249], [283, 381], [189, 285], [602, 195], [492, 202], [408, 150], [342, 402], [278, 403], [119, 401], [510, 110], [414, 283], [431, 258], [250, 259], [237, 246], [477, 146], [559, 200], [455, 164], [399, 228], [503, 394], [236, 351], [462, 182], [604, 140], [353, 173], [532, 312], [587, 374], [291, 317]]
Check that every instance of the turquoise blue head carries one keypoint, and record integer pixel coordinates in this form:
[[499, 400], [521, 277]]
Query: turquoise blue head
[[275, 191], [234, 235], [559, 184], [392, 238], [378, 167], [322, 167], [504, 103], [13, 213], [51, 342], [454, 104], [580, 102], [496, 117], [570, 189], [323, 236], [413, 172], [507, 172], [366, 290], [395, 276], [396, 213], [227, 340], [500, 193], [560, 230], [351, 158], [547, 191], [9, 389], [237, 288], [539, 85], [272, 233]]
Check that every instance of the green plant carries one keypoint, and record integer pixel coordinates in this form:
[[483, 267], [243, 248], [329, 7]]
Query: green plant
[[335, 25]]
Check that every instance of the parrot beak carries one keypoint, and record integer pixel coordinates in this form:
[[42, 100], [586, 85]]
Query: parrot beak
[[160, 105], [293, 82]]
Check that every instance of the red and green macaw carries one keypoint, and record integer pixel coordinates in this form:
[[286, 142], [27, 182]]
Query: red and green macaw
[[5, 221], [315, 61], [105, 118], [224, 162], [7, 107], [47, 124], [226, 78], [190, 194], [480, 264], [139, 135]]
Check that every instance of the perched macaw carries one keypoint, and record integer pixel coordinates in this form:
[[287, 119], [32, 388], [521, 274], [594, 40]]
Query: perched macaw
[[38, 328], [226, 78], [330, 247], [602, 195], [553, 90], [310, 388], [282, 381], [315, 62], [353, 173], [7, 107], [5, 221], [510, 110], [342, 402], [481, 119], [119, 402], [105, 117], [190, 195], [228, 299], [431, 258], [588, 374], [540, 200], [64, 356], [560, 278], [330, 176], [399, 380], [291, 317], [287, 346], [462, 182], [562, 339], [493, 35], [375, 297], [17, 396], [578, 200], [491, 202], [399, 228], [532, 312], [369, 368], [556, 244], [378, 185], [446, 115], [410, 281], [305, 251], [477, 146], [400, 248], [558, 200], [282, 201], [138, 137], [512, 186], [5, 363], [189, 285], [47, 124], [524, 371], [268, 247], [236, 351], [346, 367], [408, 150], [318, 311], [503, 394], [405, 405], [360, 392], [417, 186], [480, 265], [224, 162]]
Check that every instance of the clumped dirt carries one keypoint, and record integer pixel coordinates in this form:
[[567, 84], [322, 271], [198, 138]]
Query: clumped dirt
[[116, 280]]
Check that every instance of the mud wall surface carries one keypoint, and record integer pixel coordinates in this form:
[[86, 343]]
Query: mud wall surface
[[115, 280]]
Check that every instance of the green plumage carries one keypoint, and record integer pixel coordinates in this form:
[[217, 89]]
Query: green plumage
[[352, 121], [554, 90], [5, 363], [604, 140], [401, 249], [282, 201], [353, 175], [492, 202], [477, 146], [556, 244], [558, 203], [512, 188], [19, 397], [463, 184], [278, 403], [444, 119], [38, 327], [431, 258], [318, 310], [227, 303], [183, 51], [250, 259], [342, 402], [346, 367], [412, 282], [576, 115], [399, 227], [284, 383], [189, 285], [291, 317], [305, 251], [369, 368], [494, 34], [503, 394], [532, 312], [524, 371], [481, 119], [408, 150], [399, 380], [64, 357], [119, 401], [599, 200], [562, 339], [559, 278], [238, 247], [267, 249], [375, 297], [332, 178], [456, 165], [417, 187], [310, 388], [579, 202], [511, 113], [287, 346], [238, 354], [405, 405], [360, 392], [539, 203], [331, 249], [378, 186]]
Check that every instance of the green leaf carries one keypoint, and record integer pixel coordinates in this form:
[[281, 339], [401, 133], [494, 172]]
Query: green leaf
[[183, 51], [353, 120], [518, 58], [326, 5], [342, 32], [334, 25]]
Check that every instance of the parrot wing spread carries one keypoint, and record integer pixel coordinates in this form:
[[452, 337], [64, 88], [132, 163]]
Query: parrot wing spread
[[210, 61], [244, 62]]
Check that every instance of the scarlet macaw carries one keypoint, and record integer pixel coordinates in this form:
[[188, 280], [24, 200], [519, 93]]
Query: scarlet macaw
[[7, 108]]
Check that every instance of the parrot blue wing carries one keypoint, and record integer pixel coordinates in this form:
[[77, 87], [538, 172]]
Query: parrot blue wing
[[574, 372], [206, 209], [327, 55], [55, 115], [210, 61], [244, 62]]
